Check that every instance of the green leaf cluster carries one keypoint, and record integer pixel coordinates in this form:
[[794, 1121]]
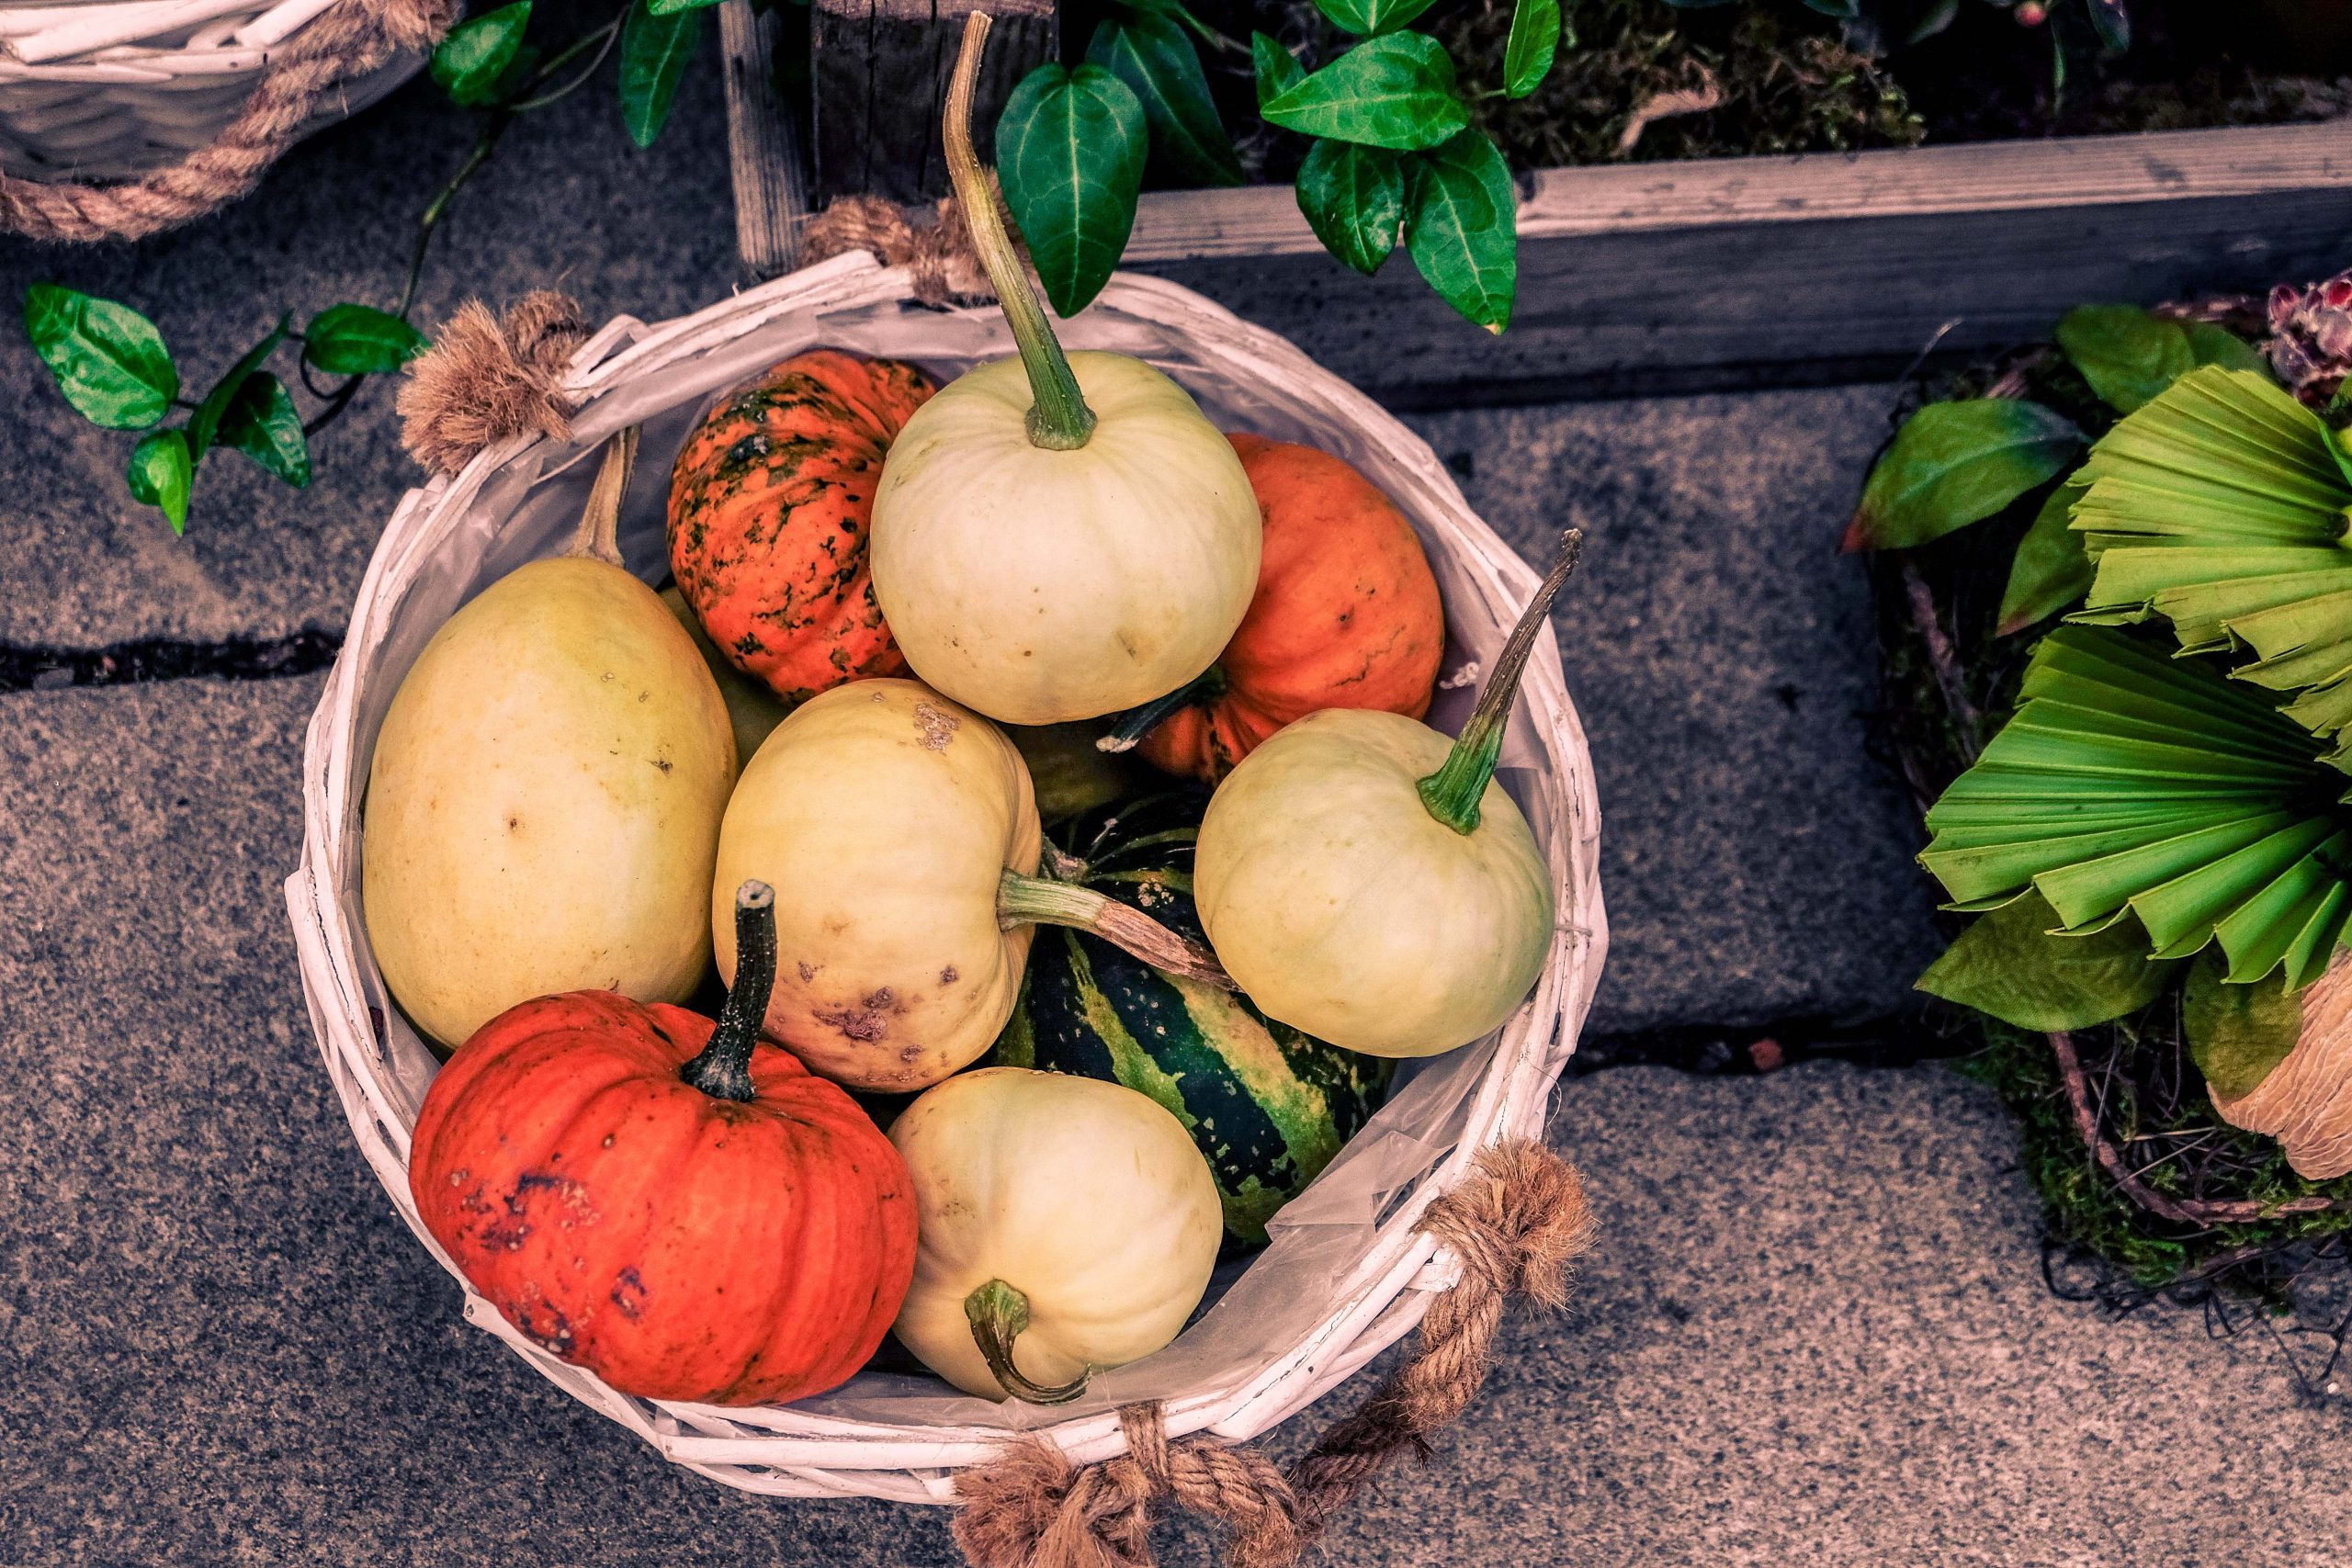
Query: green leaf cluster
[[487, 62], [1393, 160], [113, 367]]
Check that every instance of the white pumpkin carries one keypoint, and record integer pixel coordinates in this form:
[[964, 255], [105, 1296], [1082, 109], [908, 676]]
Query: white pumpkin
[[1056, 538], [899, 831], [1367, 881], [1064, 1225]]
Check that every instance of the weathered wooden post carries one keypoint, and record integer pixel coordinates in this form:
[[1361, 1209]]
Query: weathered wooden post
[[879, 72], [763, 145]]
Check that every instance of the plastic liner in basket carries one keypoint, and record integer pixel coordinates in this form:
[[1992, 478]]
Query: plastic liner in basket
[[1346, 1273]]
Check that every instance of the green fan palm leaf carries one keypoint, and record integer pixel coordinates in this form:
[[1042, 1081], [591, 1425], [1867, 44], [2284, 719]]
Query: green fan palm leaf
[[2221, 506], [2132, 784]]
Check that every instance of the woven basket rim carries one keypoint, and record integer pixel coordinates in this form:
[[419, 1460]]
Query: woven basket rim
[[779, 1451]]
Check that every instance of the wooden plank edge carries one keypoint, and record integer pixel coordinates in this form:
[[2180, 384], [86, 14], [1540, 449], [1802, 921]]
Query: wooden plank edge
[[1991, 177]]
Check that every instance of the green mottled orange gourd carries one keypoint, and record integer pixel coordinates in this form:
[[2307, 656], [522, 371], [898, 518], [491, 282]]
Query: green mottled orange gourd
[[770, 501]]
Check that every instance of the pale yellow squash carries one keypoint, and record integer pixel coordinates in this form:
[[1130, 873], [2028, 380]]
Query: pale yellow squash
[[1064, 1226], [753, 710], [1367, 881], [543, 801], [1056, 538]]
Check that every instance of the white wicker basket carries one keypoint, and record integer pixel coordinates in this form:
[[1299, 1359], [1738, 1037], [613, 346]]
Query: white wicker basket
[[1347, 1272], [94, 90]]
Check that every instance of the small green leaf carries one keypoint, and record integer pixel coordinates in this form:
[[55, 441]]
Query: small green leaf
[[1277, 69], [161, 474], [1354, 200], [359, 340], [654, 51], [470, 64], [2050, 569], [206, 422], [2218, 345], [1534, 39], [261, 422], [672, 7], [1394, 92], [2112, 22], [1464, 233], [2127, 354], [1071, 147], [1368, 16], [108, 359], [1953, 463], [2007, 964], [1152, 55], [2236, 1033]]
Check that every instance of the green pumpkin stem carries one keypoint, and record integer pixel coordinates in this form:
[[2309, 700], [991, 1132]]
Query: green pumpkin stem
[[1454, 792], [1128, 729], [999, 1314], [598, 535], [1035, 898], [1059, 420], [723, 1070]]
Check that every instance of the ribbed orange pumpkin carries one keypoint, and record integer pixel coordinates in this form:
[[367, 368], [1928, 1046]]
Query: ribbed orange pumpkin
[[674, 1205], [1346, 616], [769, 504]]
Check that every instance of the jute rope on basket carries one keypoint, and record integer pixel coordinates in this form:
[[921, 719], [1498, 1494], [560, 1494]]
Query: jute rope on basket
[[348, 40], [1517, 1224]]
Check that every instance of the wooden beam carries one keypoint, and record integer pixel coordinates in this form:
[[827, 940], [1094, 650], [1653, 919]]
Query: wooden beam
[[763, 144], [879, 72], [1733, 273]]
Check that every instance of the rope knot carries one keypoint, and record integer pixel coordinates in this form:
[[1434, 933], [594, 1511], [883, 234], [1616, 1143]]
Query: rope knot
[[487, 378], [1518, 1224], [943, 269]]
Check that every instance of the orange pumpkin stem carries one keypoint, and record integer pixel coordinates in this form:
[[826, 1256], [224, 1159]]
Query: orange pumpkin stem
[[723, 1070], [1454, 792], [1059, 420], [998, 1314]]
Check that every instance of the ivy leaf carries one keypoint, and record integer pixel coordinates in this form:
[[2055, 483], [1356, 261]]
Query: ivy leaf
[[1953, 463], [1394, 92], [2050, 569], [1070, 149], [1159, 66], [109, 360], [261, 422], [2236, 1033], [1534, 39], [1844, 10], [1276, 68], [1354, 200], [1464, 233], [206, 422], [161, 474], [2213, 344], [672, 7], [470, 64], [2127, 355], [1369, 17], [655, 48], [2007, 964], [359, 340], [2112, 22]]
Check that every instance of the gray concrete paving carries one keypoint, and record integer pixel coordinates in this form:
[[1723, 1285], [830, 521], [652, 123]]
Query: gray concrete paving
[[1815, 1330]]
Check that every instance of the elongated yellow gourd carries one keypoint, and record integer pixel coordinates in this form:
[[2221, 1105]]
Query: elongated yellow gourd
[[1056, 538], [543, 801], [901, 834], [1064, 1226], [1367, 881]]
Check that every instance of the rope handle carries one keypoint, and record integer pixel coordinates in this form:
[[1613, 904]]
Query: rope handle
[[1518, 1225], [349, 40]]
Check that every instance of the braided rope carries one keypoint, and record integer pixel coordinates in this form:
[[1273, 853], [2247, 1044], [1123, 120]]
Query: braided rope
[[349, 40], [1516, 1227], [941, 267]]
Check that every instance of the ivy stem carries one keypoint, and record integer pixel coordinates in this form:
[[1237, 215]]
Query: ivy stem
[[723, 1069], [999, 1314], [1127, 729], [597, 536], [1037, 900], [1454, 792], [601, 40], [1058, 420]]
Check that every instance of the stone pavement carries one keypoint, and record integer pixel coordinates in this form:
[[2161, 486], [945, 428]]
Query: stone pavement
[[1816, 1328]]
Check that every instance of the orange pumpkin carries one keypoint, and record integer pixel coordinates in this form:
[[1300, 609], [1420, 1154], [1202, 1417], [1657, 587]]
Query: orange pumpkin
[[769, 506], [1346, 616], [674, 1205]]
